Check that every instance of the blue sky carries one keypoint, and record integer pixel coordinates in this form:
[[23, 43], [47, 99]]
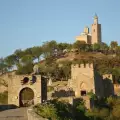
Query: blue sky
[[27, 23]]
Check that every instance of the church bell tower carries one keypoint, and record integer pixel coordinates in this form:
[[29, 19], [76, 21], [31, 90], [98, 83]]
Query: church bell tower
[[96, 31]]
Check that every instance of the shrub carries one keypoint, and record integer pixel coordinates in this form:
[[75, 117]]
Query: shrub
[[64, 109], [50, 88], [61, 110], [46, 111]]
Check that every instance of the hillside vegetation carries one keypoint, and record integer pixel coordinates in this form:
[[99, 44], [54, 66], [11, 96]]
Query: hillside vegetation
[[54, 59], [104, 109]]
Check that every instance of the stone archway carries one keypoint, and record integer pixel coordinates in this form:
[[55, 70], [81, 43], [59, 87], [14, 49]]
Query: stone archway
[[26, 97]]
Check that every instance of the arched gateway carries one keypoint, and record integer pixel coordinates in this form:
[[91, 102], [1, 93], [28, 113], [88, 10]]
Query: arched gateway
[[26, 90], [26, 97]]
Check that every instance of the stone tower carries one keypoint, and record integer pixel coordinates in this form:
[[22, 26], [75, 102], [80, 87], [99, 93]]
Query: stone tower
[[84, 79], [86, 30], [96, 31]]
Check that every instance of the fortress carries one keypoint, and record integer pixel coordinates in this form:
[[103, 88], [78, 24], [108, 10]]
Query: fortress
[[85, 79], [94, 36]]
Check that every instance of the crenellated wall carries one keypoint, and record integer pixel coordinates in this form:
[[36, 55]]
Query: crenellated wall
[[86, 69]]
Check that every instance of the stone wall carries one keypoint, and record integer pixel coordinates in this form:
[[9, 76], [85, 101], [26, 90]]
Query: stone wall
[[108, 85], [99, 86], [33, 116], [4, 78]]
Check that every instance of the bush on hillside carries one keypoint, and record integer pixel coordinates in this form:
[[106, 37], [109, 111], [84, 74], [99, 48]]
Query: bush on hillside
[[46, 111], [61, 110], [50, 88]]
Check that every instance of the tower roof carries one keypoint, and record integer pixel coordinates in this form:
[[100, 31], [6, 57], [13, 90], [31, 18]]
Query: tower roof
[[95, 17], [86, 27]]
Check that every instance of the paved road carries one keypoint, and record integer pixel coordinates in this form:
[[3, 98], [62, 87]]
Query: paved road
[[14, 114]]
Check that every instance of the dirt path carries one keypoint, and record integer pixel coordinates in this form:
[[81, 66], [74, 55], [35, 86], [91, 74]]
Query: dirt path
[[14, 114]]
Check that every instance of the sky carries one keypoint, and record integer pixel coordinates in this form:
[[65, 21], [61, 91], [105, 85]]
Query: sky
[[28, 23]]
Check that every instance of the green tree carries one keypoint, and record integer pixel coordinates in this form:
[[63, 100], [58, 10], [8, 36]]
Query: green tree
[[3, 66], [37, 52], [104, 48], [10, 61], [65, 68], [80, 45], [96, 47], [88, 48], [25, 66], [27, 51], [113, 46], [26, 69], [18, 53], [48, 69], [66, 71], [48, 48], [62, 46], [26, 59]]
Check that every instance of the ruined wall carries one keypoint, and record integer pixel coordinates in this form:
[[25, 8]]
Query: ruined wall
[[108, 85], [99, 85]]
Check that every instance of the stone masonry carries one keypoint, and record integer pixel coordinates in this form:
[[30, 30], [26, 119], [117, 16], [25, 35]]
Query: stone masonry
[[15, 86], [85, 79]]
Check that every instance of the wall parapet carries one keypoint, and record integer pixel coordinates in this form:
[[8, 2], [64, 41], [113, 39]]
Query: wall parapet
[[88, 65]]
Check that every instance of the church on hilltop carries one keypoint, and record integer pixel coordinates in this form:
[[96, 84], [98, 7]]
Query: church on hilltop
[[91, 37]]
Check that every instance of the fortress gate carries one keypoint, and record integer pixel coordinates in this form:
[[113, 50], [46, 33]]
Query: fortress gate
[[26, 89]]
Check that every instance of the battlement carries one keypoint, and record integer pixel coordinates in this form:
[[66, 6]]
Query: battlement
[[87, 65]]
